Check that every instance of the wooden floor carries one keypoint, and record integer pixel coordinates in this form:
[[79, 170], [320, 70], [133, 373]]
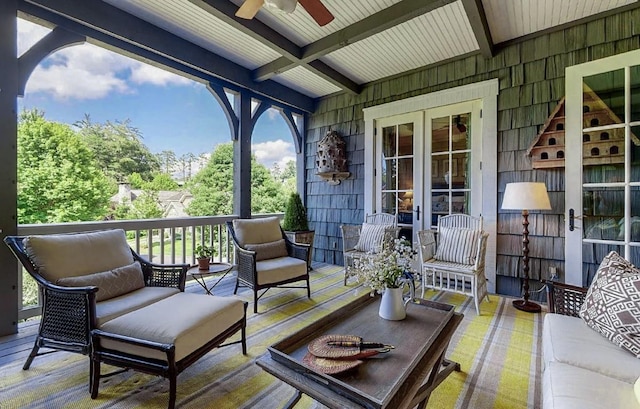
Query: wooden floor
[[16, 347]]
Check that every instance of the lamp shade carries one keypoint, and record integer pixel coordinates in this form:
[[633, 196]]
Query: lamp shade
[[526, 196]]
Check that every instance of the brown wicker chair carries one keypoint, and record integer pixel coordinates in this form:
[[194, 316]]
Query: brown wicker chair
[[261, 273], [565, 299]]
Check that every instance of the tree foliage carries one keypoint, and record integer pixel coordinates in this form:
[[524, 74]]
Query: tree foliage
[[118, 148], [59, 179], [212, 187]]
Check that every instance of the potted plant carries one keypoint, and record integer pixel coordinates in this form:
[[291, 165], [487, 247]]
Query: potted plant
[[203, 254], [295, 223]]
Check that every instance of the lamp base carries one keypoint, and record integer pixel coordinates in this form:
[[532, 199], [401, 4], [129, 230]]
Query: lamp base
[[527, 306]]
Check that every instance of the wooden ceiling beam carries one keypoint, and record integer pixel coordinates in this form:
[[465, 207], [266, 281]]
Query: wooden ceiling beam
[[479, 25], [374, 24]]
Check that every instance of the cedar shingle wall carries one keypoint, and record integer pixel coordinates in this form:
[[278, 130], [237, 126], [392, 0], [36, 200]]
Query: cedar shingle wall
[[531, 82]]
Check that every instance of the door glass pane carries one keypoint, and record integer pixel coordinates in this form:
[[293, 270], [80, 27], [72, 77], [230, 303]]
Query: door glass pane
[[405, 174], [603, 212], [388, 174], [635, 215], [440, 135], [389, 141], [635, 154], [603, 99], [460, 132], [389, 202], [635, 93], [459, 179], [405, 139], [592, 255]]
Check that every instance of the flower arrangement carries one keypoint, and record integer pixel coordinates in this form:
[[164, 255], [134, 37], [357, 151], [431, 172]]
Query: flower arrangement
[[385, 269]]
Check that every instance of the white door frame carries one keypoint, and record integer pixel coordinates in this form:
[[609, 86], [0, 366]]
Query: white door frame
[[486, 92], [573, 157]]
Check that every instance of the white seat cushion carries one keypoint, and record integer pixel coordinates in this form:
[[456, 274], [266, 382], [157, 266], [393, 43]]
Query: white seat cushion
[[570, 387], [280, 269], [187, 320], [114, 307], [569, 340]]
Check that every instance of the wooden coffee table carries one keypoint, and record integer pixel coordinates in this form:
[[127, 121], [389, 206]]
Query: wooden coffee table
[[402, 378], [214, 268]]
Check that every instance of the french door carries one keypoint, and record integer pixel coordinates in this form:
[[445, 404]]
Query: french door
[[602, 197], [425, 165]]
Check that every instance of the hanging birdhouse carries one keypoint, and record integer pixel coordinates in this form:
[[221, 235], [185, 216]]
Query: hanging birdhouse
[[331, 158]]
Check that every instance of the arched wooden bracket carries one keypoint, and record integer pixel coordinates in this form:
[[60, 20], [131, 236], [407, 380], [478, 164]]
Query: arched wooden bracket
[[232, 118]]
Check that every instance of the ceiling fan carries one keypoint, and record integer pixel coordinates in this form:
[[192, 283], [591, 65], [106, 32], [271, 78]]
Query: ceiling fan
[[315, 8]]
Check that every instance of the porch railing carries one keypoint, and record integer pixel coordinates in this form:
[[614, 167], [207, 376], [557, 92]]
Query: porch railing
[[170, 241]]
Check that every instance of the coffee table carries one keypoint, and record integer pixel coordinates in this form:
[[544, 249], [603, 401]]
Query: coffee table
[[402, 378], [214, 268]]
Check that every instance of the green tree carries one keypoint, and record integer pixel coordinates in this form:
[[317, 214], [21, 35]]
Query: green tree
[[160, 181], [118, 149], [167, 160], [212, 187], [58, 177]]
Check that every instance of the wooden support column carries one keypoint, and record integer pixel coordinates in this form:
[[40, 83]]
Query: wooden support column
[[242, 158], [8, 164]]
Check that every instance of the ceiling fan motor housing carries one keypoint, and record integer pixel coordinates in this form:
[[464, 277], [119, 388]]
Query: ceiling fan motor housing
[[287, 6]]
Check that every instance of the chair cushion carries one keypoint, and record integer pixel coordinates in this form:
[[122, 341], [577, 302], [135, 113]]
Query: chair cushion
[[69, 255], [457, 245], [187, 320], [612, 304], [280, 269], [114, 307], [110, 284], [257, 231], [266, 251], [569, 340], [571, 387], [371, 237]]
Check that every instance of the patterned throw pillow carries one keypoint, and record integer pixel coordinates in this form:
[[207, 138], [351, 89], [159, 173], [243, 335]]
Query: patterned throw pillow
[[266, 251], [119, 281], [371, 237], [612, 304], [457, 245]]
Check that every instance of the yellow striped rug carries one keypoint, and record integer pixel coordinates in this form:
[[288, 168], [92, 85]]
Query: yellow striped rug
[[499, 352]]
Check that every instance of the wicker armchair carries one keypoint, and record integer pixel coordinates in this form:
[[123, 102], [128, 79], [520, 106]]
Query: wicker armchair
[[466, 278], [565, 299], [69, 313], [266, 258], [351, 237]]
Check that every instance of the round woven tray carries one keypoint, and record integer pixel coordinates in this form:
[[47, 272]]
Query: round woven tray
[[329, 366], [320, 346]]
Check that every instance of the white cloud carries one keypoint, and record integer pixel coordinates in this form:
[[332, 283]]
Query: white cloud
[[29, 34], [272, 152], [87, 71]]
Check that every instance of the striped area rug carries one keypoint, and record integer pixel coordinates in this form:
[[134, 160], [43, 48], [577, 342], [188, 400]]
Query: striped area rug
[[499, 352]]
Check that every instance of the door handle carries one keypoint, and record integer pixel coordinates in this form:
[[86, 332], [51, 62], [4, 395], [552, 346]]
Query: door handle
[[572, 216], [417, 213]]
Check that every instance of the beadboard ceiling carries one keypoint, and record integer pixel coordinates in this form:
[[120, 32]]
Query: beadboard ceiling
[[368, 40]]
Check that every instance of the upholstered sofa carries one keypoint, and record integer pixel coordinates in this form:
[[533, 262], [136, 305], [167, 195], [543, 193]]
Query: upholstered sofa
[[103, 300], [583, 369]]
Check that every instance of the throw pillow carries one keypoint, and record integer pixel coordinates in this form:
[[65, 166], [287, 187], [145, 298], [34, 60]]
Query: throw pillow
[[371, 237], [257, 231], [457, 245], [267, 251], [612, 304], [119, 281]]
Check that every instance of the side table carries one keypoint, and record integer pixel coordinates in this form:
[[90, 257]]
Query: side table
[[214, 268]]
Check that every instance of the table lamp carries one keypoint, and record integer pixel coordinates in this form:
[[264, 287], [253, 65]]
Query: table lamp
[[526, 196]]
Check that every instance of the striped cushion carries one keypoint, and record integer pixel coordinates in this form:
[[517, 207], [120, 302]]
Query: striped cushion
[[371, 237], [457, 245]]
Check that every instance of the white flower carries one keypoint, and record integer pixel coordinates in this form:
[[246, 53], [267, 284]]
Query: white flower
[[384, 269]]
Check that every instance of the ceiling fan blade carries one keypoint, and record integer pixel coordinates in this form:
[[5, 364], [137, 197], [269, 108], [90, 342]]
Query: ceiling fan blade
[[249, 9], [318, 11]]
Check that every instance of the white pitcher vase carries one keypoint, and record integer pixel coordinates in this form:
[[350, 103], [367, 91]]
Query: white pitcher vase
[[392, 307]]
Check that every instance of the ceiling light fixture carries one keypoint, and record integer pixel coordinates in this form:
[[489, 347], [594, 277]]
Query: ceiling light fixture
[[286, 6]]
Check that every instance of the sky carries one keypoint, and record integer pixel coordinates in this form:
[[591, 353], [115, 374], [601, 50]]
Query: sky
[[171, 112]]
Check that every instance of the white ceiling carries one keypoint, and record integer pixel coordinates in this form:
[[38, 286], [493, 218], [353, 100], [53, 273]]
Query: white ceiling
[[441, 34]]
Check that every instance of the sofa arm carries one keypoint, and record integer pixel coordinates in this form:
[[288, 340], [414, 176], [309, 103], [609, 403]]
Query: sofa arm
[[298, 250], [565, 299]]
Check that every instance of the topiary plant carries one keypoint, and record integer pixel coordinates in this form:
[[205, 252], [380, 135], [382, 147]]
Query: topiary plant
[[295, 215]]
